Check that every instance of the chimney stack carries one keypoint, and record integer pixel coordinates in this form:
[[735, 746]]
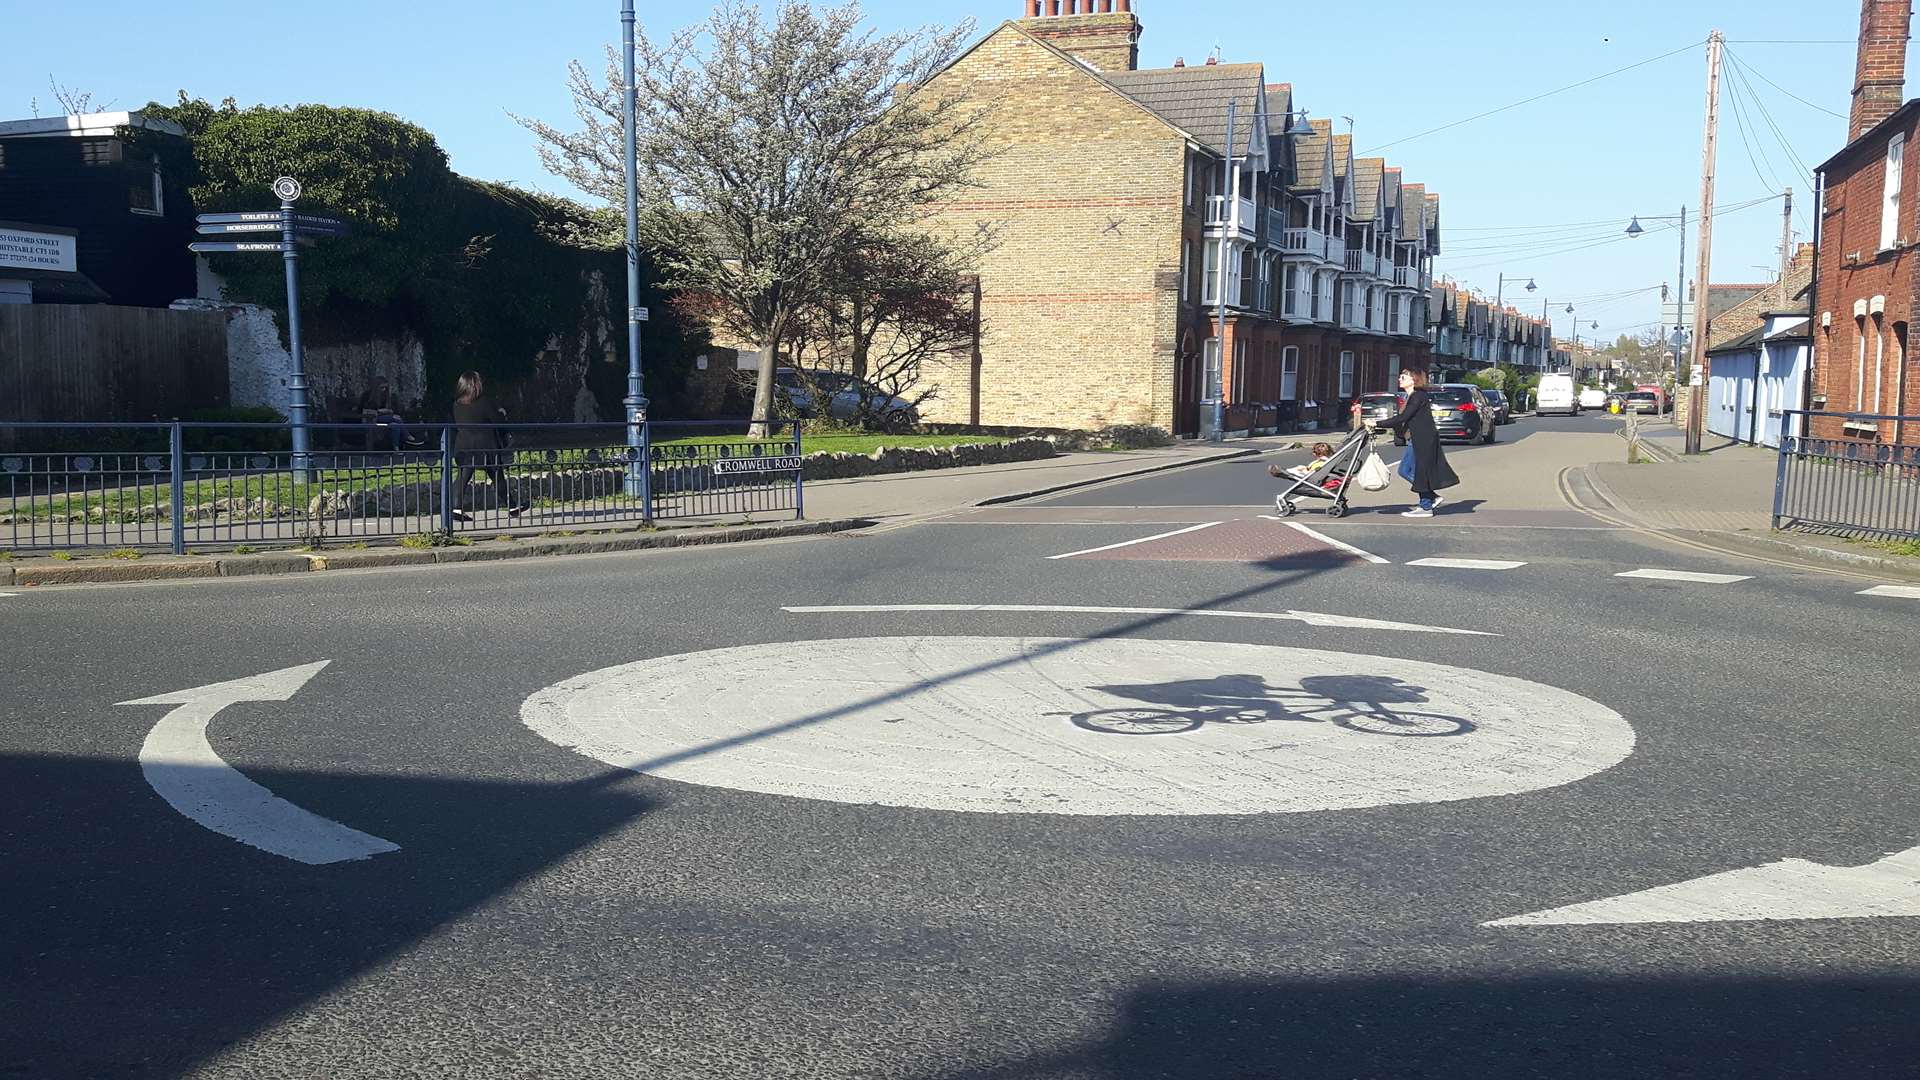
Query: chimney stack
[[1880, 72], [1102, 33]]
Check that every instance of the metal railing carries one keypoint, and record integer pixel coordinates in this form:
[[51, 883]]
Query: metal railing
[[1828, 482], [174, 485]]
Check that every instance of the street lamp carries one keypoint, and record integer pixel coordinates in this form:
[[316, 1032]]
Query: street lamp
[[1633, 227], [638, 469]]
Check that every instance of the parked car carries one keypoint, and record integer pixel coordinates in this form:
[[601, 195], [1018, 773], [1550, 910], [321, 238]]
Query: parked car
[[1557, 394], [1383, 406], [1502, 412], [1462, 411], [1642, 401], [1592, 397], [847, 394]]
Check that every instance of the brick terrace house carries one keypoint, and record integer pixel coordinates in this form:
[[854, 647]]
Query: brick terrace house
[[1868, 264], [1105, 191]]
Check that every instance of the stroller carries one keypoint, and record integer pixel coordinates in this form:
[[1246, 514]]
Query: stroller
[[1329, 478]]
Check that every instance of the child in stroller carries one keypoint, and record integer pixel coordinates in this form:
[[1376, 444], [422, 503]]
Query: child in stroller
[[1335, 476]]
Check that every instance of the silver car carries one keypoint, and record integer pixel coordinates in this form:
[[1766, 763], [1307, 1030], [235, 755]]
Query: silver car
[[847, 395]]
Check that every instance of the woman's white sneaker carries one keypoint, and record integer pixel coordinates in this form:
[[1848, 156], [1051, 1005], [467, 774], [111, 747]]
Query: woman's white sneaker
[[1418, 511]]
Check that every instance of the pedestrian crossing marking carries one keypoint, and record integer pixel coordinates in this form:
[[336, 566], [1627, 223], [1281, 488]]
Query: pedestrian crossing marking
[[1686, 575], [1469, 564], [1908, 592]]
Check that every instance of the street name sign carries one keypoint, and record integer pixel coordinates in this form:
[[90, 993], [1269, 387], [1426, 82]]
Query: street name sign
[[205, 248], [238, 226], [733, 466], [251, 215]]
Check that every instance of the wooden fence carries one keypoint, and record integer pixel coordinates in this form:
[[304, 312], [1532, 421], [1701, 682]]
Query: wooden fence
[[79, 362]]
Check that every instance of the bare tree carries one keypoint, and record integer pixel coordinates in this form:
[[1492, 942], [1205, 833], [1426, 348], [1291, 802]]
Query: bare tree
[[771, 150], [889, 308], [72, 102]]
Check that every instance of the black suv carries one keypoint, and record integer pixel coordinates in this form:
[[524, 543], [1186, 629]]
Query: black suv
[[1461, 411], [1502, 412]]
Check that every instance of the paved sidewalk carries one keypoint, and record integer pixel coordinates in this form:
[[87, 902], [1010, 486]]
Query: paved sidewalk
[[898, 498], [1722, 499]]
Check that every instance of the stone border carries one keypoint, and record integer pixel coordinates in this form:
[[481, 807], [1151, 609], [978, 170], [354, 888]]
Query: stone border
[[170, 567]]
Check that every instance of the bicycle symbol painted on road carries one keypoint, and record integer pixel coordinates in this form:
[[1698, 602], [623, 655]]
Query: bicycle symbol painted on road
[[1362, 703]]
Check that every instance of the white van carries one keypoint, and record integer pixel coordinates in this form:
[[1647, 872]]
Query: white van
[[1557, 394]]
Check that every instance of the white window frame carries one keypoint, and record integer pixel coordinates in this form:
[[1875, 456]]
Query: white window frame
[[1890, 198], [1210, 273], [1289, 372], [159, 197], [1346, 373], [1860, 365], [1186, 269], [1289, 289], [1879, 362], [1210, 369]]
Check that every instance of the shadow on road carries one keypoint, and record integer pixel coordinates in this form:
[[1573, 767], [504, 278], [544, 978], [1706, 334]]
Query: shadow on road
[[1441, 1027], [138, 944]]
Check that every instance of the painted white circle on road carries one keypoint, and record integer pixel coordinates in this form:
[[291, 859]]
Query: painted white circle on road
[[1080, 726]]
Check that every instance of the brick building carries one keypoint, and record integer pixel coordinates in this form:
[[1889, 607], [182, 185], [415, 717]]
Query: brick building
[[1105, 190], [1868, 267]]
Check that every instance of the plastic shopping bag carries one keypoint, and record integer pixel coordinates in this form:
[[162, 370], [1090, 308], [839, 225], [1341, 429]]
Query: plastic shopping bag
[[1373, 474]]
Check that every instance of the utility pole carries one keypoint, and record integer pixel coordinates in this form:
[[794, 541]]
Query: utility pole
[[1786, 236], [1680, 298], [1696, 392]]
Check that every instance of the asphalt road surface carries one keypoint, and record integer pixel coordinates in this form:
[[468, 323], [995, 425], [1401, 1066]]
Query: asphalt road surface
[[1033, 791]]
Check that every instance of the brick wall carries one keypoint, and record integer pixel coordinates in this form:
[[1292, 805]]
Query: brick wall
[[1852, 268], [1084, 191]]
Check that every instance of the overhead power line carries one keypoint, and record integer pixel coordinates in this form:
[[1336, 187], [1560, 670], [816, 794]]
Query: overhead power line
[[1763, 78], [1537, 97]]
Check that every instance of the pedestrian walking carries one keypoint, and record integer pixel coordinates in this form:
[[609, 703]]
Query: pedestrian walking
[[1423, 466], [477, 443]]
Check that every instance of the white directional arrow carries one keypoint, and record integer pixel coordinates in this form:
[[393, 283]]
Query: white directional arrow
[[182, 767], [1788, 889]]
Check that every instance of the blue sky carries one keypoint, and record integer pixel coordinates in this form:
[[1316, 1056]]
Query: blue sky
[[1513, 184]]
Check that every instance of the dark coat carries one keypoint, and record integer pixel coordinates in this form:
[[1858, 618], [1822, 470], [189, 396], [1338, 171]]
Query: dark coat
[[1430, 469], [478, 411]]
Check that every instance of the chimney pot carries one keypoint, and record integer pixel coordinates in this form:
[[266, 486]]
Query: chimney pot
[[1033, 9], [1212, 60], [1179, 61], [1106, 7], [1126, 6]]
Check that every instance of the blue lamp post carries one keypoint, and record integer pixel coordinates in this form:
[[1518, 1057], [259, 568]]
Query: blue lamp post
[[636, 400]]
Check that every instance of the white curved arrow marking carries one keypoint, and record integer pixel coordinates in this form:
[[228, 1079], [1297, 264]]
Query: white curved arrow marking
[[1788, 889], [182, 767]]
